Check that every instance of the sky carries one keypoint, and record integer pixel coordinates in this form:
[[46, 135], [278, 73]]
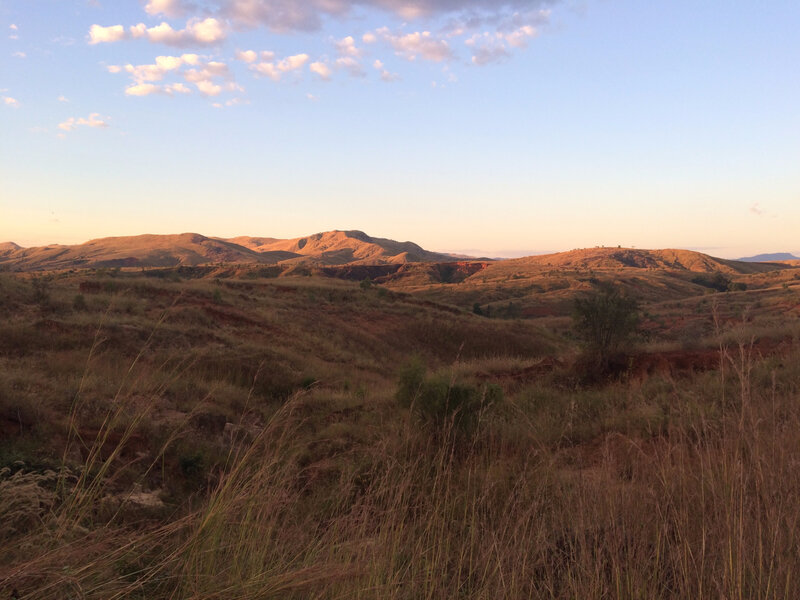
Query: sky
[[477, 126]]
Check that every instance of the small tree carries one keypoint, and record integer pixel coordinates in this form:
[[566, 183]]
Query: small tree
[[606, 321]]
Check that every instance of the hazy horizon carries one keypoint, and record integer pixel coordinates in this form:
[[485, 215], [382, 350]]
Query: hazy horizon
[[471, 252]]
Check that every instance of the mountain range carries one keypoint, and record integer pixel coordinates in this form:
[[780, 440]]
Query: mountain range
[[332, 249], [191, 249]]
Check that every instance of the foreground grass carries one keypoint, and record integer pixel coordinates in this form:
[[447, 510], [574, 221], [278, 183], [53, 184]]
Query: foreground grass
[[163, 475]]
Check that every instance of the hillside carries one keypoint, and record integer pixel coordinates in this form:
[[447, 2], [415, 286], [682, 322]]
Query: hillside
[[615, 258], [192, 249], [344, 247], [7, 248], [188, 249], [169, 435]]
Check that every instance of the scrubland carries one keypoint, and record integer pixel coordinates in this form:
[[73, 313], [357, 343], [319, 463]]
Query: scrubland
[[170, 434]]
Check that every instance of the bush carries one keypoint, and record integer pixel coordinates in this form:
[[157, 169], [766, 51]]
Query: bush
[[441, 403], [41, 292], [79, 302], [717, 281], [606, 321]]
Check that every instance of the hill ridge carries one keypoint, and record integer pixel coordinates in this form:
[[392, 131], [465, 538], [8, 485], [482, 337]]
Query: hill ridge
[[335, 248], [329, 248]]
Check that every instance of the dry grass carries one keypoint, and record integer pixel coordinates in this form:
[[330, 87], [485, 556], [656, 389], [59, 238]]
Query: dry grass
[[170, 477]]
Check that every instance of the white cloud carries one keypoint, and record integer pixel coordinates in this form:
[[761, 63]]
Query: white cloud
[[211, 78], [492, 47], [420, 44], [169, 63], [19, 55], [307, 15], [208, 70], [208, 87], [138, 31], [100, 35], [162, 66], [386, 75], [9, 101], [205, 32], [93, 120], [347, 47], [351, 65], [169, 8], [487, 48], [231, 102], [142, 89], [177, 88], [247, 56], [63, 99], [13, 27], [321, 69], [147, 89], [274, 70], [198, 32]]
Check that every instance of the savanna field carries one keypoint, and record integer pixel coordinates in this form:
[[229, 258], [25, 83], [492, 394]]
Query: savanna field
[[430, 431]]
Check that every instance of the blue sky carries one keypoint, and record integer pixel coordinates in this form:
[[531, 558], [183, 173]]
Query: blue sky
[[463, 125]]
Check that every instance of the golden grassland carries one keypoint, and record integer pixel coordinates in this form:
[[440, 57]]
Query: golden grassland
[[170, 434]]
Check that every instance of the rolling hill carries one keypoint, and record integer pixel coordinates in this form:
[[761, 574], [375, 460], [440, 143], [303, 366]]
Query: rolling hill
[[336, 249], [343, 248], [617, 258], [192, 249]]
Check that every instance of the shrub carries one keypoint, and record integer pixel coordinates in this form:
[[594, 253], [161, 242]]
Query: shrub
[[41, 292], [79, 302], [440, 402], [606, 321], [717, 281]]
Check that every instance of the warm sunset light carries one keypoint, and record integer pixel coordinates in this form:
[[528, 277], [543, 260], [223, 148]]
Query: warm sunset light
[[399, 299]]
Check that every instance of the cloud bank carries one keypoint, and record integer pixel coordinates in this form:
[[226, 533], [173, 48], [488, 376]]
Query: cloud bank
[[452, 32]]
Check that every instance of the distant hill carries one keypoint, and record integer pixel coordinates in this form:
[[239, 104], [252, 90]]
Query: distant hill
[[343, 248], [340, 248], [775, 257], [615, 258], [7, 248], [192, 249]]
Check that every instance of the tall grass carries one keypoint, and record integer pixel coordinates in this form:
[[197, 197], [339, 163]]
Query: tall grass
[[666, 488]]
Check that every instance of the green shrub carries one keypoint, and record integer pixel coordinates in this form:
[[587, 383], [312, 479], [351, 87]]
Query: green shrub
[[441, 403]]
